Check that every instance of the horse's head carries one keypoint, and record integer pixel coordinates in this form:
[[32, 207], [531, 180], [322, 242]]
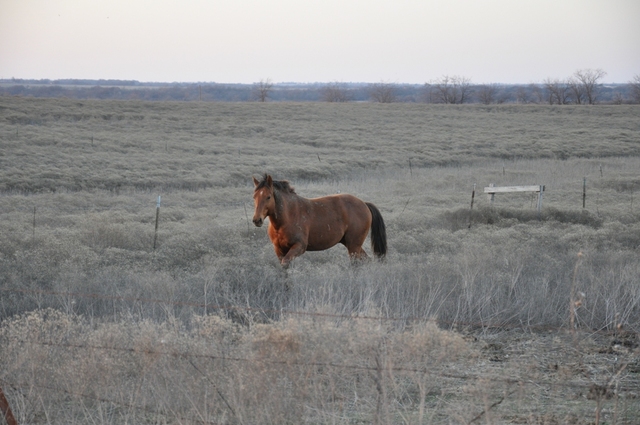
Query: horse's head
[[264, 199]]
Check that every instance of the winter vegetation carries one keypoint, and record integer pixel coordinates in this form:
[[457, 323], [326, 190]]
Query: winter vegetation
[[584, 86], [481, 313]]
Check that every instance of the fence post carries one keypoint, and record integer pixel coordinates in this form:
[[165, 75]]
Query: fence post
[[155, 235], [473, 195], [584, 192], [34, 224], [492, 195], [540, 200]]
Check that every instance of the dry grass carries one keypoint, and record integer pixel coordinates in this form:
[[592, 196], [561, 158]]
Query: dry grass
[[217, 371], [64, 144], [62, 369], [97, 327]]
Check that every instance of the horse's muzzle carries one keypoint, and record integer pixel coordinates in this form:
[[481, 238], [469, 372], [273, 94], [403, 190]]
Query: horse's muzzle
[[258, 222]]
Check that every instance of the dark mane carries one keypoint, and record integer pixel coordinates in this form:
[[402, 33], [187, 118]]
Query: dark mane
[[281, 185]]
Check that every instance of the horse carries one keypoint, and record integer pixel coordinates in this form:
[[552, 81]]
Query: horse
[[298, 224]]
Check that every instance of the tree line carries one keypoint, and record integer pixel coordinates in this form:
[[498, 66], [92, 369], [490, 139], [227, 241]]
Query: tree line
[[582, 87]]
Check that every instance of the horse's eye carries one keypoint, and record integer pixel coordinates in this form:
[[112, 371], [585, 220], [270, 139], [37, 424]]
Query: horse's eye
[[268, 197]]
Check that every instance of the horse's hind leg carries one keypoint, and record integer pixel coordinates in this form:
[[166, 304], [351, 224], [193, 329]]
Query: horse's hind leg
[[357, 254], [354, 241]]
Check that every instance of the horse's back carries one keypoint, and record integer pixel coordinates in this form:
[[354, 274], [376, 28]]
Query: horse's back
[[341, 208], [337, 218]]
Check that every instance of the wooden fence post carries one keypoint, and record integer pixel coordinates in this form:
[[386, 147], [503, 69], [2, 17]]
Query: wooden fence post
[[34, 224], [473, 195], [584, 192], [540, 198], [492, 195]]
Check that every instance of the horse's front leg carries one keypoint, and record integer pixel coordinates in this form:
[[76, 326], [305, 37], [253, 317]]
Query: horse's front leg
[[295, 250]]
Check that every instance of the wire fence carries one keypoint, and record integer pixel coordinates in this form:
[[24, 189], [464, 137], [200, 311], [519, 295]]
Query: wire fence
[[207, 307], [586, 387], [532, 379]]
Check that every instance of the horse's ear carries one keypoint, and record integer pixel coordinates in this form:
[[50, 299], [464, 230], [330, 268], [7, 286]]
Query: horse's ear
[[255, 181], [269, 181]]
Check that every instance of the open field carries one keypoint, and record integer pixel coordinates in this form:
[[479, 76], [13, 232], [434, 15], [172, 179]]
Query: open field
[[469, 319]]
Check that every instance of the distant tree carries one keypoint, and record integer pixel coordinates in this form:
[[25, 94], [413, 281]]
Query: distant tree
[[262, 89], [463, 86], [557, 91], [577, 90], [382, 92], [635, 88], [444, 90], [537, 93], [335, 92], [456, 89], [522, 95], [589, 80], [487, 93], [502, 95], [618, 98]]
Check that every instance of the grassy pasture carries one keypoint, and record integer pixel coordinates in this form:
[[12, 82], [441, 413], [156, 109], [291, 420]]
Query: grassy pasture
[[468, 320]]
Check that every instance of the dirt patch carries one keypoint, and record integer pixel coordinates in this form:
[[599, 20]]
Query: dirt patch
[[558, 377]]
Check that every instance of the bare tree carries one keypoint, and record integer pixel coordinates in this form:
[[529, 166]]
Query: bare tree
[[635, 88], [577, 89], [537, 93], [589, 80], [335, 92], [487, 93], [618, 98], [382, 92], [522, 95], [456, 89], [463, 85], [262, 89], [557, 91], [444, 91]]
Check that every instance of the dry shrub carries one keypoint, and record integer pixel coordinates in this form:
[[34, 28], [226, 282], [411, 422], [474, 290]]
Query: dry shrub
[[337, 370], [216, 330], [461, 219], [297, 370], [312, 368]]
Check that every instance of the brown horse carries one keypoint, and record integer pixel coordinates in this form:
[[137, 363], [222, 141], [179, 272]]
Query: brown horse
[[297, 224]]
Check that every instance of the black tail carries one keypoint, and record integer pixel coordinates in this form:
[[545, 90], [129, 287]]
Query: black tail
[[378, 232]]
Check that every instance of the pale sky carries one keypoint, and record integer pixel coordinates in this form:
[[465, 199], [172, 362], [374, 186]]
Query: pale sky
[[244, 41]]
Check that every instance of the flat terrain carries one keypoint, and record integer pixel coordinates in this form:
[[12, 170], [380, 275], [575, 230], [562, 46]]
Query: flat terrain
[[55, 144], [497, 314]]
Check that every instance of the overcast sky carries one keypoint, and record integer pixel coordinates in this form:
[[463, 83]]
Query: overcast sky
[[244, 41]]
